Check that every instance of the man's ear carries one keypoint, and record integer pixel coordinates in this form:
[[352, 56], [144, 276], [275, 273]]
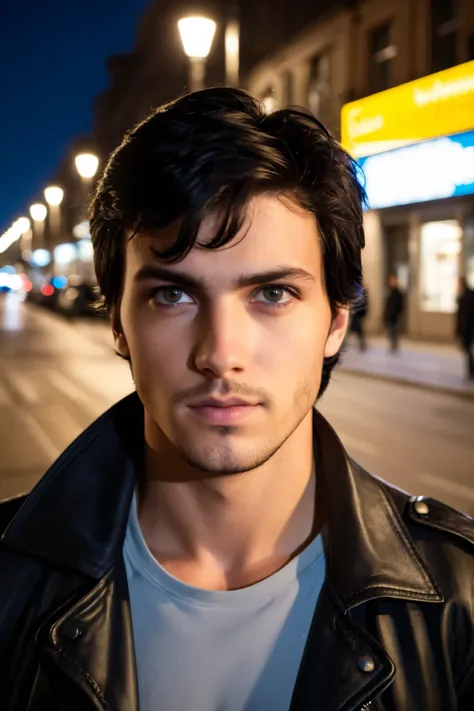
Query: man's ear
[[337, 333], [121, 345]]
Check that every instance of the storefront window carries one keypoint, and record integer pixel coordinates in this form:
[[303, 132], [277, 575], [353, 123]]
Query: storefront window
[[439, 265]]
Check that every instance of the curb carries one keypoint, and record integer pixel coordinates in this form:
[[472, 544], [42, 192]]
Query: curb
[[418, 384]]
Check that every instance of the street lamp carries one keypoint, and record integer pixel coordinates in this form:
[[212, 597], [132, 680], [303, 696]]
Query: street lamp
[[197, 34], [54, 197], [24, 228], [86, 164], [38, 212]]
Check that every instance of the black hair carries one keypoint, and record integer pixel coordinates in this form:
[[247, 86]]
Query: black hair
[[214, 150]]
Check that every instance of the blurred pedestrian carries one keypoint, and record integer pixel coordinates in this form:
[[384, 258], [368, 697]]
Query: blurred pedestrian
[[208, 543], [465, 324], [393, 311], [358, 316]]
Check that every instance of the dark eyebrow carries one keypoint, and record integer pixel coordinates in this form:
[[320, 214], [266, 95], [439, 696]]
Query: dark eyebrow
[[183, 279], [164, 274]]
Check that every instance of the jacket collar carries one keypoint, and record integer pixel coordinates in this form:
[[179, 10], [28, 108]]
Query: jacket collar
[[369, 551], [77, 514]]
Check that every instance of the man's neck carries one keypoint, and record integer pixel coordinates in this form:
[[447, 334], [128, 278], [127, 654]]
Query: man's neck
[[227, 532]]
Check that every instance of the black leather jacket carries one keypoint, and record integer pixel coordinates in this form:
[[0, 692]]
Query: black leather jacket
[[393, 628]]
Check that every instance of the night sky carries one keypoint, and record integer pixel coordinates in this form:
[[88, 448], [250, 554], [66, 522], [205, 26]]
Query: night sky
[[52, 59]]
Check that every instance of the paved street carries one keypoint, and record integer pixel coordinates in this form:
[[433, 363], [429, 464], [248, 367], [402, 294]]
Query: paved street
[[56, 376]]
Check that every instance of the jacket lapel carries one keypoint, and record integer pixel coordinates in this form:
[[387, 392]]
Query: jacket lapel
[[368, 549], [92, 644], [336, 673]]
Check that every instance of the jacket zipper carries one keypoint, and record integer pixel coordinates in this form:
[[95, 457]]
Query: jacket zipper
[[370, 706]]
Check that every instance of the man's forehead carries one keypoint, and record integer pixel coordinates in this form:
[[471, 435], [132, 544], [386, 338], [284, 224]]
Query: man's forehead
[[271, 232]]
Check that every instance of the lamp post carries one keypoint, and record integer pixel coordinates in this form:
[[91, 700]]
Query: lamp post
[[54, 197], [197, 34], [232, 45], [38, 213]]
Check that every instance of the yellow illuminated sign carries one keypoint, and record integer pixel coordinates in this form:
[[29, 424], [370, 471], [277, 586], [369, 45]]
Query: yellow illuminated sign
[[437, 105]]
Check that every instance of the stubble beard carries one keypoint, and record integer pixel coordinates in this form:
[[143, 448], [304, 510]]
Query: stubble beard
[[229, 460]]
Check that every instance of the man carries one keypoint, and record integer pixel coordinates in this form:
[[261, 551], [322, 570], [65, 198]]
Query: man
[[207, 544], [465, 324], [393, 311]]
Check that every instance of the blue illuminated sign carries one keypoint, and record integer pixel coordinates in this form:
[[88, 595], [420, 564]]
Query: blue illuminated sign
[[432, 170]]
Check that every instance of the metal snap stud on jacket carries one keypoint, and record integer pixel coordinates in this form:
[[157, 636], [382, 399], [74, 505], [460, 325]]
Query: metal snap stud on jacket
[[421, 508], [366, 664], [70, 631]]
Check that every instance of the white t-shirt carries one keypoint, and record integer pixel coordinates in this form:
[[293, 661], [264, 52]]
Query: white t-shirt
[[202, 650]]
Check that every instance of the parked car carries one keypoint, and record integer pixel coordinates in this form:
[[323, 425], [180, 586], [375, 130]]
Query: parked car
[[78, 297]]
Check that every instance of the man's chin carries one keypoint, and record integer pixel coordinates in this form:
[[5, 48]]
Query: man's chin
[[214, 460]]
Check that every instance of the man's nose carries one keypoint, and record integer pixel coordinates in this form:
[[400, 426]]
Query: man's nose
[[225, 339]]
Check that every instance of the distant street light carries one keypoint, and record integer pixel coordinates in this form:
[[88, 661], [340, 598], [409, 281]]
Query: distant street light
[[197, 34], [7, 239], [54, 197], [10, 236], [86, 164], [23, 224], [24, 227], [14, 233], [38, 212]]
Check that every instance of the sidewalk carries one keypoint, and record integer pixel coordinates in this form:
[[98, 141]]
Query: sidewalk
[[432, 366]]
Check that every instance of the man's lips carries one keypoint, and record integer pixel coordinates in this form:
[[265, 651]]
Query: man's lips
[[223, 412], [217, 402]]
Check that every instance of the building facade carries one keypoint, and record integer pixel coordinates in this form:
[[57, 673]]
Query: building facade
[[156, 70], [352, 58]]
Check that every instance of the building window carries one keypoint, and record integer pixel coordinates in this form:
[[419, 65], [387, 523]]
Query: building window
[[381, 56], [319, 91], [444, 34], [288, 88]]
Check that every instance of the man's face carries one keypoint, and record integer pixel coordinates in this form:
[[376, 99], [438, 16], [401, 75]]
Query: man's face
[[250, 322]]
